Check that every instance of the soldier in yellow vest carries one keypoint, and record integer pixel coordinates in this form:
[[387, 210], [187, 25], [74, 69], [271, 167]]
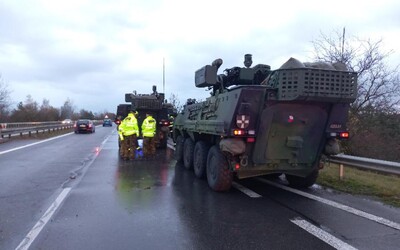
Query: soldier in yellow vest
[[148, 132], [128, 131]]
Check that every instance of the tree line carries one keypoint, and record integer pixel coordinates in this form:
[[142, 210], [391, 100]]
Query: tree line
[[31, 111]]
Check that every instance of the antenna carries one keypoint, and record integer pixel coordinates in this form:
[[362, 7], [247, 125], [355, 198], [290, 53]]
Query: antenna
[[163, 76], [344, 32]]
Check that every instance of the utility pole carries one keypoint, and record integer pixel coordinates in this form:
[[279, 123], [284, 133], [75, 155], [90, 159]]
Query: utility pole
[[163, 76], [344, 32]]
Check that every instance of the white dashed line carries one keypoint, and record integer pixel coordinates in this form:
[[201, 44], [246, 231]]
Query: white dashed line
[[245, 190], [348, 209], [322, 235], [31, 236]]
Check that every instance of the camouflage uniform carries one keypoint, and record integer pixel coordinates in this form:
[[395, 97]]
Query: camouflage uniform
[[148, 131], [128, 132]]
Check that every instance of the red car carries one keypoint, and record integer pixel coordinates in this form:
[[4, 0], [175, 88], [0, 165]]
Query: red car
[[84, 125]]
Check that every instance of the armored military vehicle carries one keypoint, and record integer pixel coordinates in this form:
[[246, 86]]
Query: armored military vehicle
[[155, 104], [122, 112], [259, 121]]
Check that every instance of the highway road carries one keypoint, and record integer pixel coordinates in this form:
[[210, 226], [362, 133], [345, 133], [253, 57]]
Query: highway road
[[73, 192]]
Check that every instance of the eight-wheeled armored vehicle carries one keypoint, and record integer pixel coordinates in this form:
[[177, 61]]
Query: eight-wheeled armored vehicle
[[259, 121]]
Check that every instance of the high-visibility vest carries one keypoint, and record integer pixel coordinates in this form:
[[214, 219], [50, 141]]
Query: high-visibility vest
[[149, 127], [129, 126]]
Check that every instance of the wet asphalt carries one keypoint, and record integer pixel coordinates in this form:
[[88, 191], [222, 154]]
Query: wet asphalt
[[157, 204]]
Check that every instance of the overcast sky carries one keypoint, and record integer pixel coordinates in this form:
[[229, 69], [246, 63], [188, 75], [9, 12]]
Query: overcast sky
[[95, 51]]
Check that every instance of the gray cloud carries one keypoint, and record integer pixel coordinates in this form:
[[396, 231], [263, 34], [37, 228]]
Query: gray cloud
[[94, 52]]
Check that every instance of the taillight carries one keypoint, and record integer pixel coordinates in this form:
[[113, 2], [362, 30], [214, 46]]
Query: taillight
[[243, 132], [90, 125], [238, 132], [164, 123], [340, 135]]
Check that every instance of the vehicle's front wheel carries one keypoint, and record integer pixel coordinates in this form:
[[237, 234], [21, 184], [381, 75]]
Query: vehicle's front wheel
[[302, 182], [200, 159], [188, 148], [219, 176], [179, 149]]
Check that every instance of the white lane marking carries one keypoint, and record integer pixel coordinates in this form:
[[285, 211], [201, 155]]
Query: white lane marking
[[245, 190], [171, 146], [31, 236], [322, 235], [348, 209], [35, 143]]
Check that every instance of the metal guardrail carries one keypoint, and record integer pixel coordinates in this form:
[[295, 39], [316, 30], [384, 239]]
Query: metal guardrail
[[381, 166], [21, 128], [386, 167]]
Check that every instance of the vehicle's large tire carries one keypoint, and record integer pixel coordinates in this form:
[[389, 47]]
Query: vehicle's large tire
[[179, 149], [188, 149], [302, 182], [200, 159], [219, 176]]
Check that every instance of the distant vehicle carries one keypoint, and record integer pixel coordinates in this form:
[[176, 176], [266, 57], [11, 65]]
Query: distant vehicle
[[84, 125], [67, 121], [107, 122]]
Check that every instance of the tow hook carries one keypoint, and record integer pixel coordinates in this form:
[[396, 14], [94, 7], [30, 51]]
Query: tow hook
[[244, 160]]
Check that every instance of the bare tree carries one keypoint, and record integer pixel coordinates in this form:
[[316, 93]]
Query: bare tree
[[67, 110], [48, 112], [26, 111], [373, 119], [378, 84], [173, 99], [5, 102]]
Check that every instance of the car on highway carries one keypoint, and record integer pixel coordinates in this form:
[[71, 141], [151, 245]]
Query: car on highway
[[84, 125], [67, 121], [107, 122]]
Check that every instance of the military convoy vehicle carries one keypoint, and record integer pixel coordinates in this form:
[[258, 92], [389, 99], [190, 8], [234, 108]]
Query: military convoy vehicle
[[153, 103], [259, 121]]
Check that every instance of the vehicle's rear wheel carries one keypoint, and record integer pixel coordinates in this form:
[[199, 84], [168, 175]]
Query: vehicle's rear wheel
[[188, 153], [200, 159], [179, 149], [219, 176], [302, 182]]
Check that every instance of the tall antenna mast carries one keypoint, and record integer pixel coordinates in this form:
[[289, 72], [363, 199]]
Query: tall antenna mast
[[344, 32], [163, 75]]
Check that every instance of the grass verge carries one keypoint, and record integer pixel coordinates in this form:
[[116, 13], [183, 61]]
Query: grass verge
[[385, 188]]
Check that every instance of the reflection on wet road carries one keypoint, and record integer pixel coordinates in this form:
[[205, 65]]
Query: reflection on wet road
[[135, 180]]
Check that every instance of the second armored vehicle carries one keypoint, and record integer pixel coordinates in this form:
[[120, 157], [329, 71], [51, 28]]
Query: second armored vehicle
[[259, 121], [154, 104]]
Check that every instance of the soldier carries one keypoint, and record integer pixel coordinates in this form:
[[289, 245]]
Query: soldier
[[128, 131], [171, 124], [148, 132]]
